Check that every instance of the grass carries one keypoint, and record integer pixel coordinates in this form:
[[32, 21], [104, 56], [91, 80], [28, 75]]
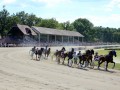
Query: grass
[[110, 65]]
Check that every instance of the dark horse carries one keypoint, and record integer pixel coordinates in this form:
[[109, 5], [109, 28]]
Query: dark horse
[[87, 57], [107, 58], [39, 53], [70, 56], [90, 56], [47, 52]]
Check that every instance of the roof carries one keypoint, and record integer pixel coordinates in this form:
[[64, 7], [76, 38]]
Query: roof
[[23, 29], [50, 31]]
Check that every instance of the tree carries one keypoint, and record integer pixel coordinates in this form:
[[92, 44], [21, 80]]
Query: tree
[[4, 14], [48, 23], [66, 26], [23, 17], [32, 20], [83, 26]]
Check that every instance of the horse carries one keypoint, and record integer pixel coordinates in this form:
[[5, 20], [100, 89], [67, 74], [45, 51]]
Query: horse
[[47, 52], [86, 57], [107, 58], [90, 56], [70, 56], [64, 57], [82, 59], [39, 53], [59, 54], [36, 52]]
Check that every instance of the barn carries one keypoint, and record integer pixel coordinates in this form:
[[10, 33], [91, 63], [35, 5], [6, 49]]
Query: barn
[[23, 34], [20, 34], [49, 35]]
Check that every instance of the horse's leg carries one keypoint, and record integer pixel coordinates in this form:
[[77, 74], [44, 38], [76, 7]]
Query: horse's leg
[[92, 64], [99, 63], [47, 55], [83, 61], [113, 65], [39, 57], [36, 56], [80, 62], [58, 60], [63, 60], [87, 62], [90, 61], [68, 61], [75, 62], [106, 66]]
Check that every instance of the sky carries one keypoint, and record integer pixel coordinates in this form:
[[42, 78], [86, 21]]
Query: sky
[[104, 13]]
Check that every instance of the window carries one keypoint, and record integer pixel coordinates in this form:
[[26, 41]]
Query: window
[[28, 31]]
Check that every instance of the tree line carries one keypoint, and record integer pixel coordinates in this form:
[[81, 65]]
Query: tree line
[[82, 25]]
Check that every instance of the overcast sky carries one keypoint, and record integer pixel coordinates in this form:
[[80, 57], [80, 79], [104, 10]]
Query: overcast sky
[[104, 13]]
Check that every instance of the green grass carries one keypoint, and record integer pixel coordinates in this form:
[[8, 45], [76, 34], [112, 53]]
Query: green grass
[[110, 65]]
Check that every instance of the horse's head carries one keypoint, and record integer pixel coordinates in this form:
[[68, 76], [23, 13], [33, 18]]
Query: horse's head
[[34, 47], [63, 49], [88, 52], [113, 53], [56, 52], [42, 49], [72, 50], [49, 49], [92, 51]]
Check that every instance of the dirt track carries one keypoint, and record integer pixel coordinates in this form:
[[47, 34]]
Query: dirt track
[[18, 72]]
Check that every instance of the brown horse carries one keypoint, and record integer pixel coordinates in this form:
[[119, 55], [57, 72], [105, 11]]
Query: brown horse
[[59, 54], [64, 57], [47, 52], [107, 58]]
